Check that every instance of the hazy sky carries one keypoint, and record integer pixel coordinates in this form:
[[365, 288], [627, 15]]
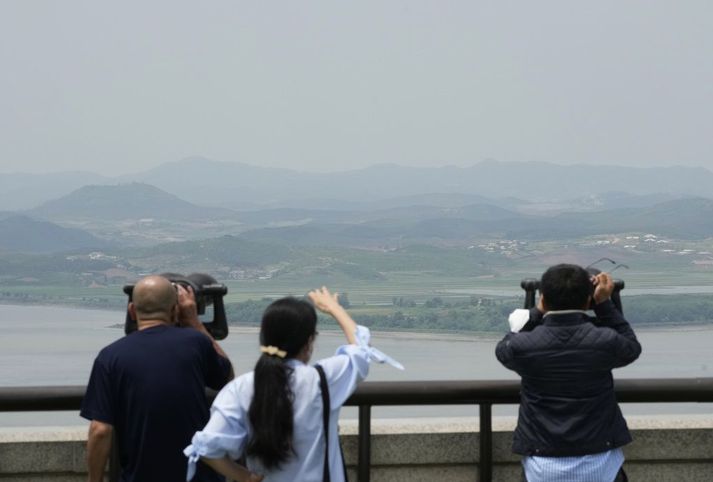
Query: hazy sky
[[115, 87]]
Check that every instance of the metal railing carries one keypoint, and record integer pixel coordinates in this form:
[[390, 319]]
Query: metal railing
[[485, 394]]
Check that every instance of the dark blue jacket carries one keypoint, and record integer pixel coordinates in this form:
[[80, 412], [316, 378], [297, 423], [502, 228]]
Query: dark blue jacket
[[567, 401]]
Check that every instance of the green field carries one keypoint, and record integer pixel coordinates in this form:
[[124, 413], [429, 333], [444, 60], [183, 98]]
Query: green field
[[475, 286]]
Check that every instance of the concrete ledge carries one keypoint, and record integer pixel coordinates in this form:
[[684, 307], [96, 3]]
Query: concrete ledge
[[664, 449]]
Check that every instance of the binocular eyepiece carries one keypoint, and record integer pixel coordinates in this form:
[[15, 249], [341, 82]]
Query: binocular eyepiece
[[207, 291]]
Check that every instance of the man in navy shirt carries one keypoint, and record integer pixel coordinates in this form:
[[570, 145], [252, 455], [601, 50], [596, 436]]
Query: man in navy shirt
[[149, 387]]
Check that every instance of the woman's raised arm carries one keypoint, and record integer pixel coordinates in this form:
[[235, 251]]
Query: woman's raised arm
[[328, 303]]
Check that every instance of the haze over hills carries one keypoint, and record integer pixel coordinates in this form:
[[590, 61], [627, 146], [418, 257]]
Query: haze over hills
[[124, 201], [619, 200], [389, 227], [19, 191], [397, 215], [23, 234], [690, 218], [242, 186], [395, 206], [681, 219], [230, 184]]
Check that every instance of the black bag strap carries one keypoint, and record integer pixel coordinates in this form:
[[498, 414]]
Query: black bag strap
[[326, 410], [326, 407]]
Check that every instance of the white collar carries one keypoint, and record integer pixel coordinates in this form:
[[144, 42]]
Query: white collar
[[564, 312]]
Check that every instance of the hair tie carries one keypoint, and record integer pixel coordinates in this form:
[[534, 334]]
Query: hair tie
[[273, 351]]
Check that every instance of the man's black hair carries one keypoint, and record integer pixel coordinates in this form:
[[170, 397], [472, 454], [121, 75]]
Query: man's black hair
[[566, 287]]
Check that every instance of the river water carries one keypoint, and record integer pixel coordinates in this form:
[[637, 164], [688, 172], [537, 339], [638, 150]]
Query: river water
[[43, 345]]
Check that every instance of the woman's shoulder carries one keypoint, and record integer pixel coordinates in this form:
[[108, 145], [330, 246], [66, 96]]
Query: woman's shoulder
[[239, 390], [242, 382]]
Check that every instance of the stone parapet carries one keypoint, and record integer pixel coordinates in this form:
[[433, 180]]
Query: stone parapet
[[47, 454], [665, 448]]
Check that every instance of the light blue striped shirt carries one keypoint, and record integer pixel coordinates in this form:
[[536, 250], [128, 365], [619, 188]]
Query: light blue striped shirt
[[228, 431], [601, 467]]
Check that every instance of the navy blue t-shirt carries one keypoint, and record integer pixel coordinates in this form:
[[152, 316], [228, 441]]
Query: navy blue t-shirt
[[150, 385]]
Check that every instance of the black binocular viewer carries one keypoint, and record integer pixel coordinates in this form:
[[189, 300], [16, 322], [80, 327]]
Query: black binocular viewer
[[531, 285], [208, 292]]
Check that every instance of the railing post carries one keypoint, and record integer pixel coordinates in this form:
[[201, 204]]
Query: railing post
[[364, 463], [485, 462]]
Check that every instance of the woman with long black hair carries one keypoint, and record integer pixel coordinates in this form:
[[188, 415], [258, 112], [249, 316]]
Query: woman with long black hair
[[275, 415]]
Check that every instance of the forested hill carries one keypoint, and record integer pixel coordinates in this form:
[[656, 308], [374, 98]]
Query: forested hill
[[124, 201], [23, 234], [681, 219]]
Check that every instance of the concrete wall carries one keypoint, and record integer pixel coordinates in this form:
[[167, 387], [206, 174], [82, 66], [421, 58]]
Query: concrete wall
[[665, 449], [43, 455]]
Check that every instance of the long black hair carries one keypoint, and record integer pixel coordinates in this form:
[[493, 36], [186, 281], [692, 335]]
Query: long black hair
[[287, 324]]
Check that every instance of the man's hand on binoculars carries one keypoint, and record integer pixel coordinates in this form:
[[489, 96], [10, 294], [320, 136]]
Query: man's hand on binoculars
[[187, 311], [603, 287]]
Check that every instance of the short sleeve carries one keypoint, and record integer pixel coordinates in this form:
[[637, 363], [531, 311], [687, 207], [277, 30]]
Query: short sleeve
[[225, 433], [343, 372], [98, 402]]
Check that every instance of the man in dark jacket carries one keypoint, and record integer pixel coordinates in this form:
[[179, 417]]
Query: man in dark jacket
[[570, 427]]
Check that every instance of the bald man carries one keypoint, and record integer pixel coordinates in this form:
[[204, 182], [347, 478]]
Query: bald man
[[149, 387]]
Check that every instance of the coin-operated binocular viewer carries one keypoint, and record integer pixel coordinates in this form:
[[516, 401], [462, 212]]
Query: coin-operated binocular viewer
[[532, 285], [208, 292]]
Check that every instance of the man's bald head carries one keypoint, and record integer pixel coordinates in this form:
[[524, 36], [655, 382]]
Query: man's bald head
[[154, 298]]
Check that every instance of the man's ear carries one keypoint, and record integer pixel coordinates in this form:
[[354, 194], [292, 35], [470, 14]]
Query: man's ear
[[542, 305], [132, 311], [173, 316]]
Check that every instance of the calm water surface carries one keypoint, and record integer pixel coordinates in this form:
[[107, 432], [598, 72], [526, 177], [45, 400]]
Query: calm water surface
[[43, 345]]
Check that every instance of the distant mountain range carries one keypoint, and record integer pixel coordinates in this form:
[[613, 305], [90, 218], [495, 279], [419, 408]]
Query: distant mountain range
[[206, 182], [238, 185], [23, 234], [680, 219], [384, 205]]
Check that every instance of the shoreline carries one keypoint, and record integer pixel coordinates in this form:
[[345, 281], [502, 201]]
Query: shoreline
[[392, 334]]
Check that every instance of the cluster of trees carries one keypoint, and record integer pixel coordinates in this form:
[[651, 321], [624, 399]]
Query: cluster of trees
[[476, 314], [435, 314], [250, 312], [401, 302], [439, 315], [488, 314], [14, 296], [247, 312], [670, 309], [101, 302]]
